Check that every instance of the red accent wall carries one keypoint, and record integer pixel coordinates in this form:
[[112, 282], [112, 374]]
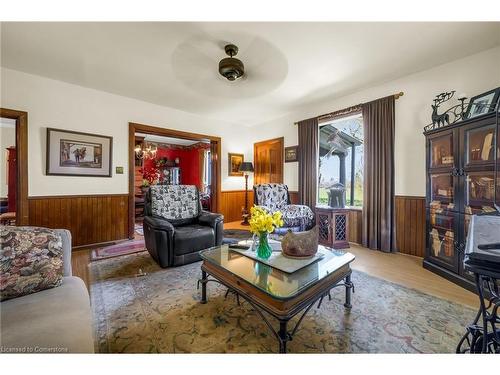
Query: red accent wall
[[189, 163]]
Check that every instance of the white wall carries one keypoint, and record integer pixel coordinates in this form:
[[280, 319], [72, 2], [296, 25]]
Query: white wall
[[471, 75], [57, 104], [7, 139], [51, 103]]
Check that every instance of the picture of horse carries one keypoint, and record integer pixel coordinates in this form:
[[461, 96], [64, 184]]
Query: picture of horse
[[80, 154]]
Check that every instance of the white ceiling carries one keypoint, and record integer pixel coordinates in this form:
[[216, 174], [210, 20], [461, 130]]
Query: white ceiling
[[287, 64], [168, 140], [7, 122]]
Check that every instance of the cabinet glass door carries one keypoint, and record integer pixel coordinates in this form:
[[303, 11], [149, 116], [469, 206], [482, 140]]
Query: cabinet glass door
[[441, 151], [479, 192], [479, 145], [442, 191], [442, 237], [465, 222], [497, 169]]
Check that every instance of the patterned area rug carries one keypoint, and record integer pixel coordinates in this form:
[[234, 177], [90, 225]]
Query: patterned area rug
[[119, 249], [137, 245], [235, 235], [160, 312]]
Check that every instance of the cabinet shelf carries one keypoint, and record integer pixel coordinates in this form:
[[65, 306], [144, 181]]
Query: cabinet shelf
[[440, 227], [442, 198], [480, 202]]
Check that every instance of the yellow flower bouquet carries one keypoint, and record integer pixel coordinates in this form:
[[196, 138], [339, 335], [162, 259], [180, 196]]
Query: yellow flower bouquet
[[262, 223]]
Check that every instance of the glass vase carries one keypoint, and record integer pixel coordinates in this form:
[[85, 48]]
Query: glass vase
[[264, 251]]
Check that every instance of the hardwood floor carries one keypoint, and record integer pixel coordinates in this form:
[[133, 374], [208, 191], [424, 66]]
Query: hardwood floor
[[80, 262], [407, 270], [398, 268], [236, 225]]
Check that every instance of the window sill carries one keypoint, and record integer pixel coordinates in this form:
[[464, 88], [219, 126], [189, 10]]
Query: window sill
[[350, 208]]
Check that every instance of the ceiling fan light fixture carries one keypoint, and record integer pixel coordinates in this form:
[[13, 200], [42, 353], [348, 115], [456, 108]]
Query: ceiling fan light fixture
[[230, 67]]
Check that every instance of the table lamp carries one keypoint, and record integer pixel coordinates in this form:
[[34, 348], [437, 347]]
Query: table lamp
[[246, 168]]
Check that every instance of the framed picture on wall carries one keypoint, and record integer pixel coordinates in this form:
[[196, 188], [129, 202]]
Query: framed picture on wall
[[234, 162], [291, 154], [482, 104], [71, 153]]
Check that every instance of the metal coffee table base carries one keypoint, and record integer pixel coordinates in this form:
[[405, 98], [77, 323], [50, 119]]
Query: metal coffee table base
[[283, 335]]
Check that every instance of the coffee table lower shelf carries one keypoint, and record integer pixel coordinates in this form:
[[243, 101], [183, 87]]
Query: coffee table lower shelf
[[281, 309]]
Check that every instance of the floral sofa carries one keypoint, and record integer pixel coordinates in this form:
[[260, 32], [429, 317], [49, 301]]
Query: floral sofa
[[275, 197]]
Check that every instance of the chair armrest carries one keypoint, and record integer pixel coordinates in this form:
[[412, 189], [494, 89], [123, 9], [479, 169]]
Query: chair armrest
[[159, 223], [66, 247], [210, 219]]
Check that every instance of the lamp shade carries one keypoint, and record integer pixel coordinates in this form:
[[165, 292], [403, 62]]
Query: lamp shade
[[246, 167]]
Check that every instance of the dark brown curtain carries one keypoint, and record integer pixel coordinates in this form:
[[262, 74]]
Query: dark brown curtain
[[378, 192], [308, 161]]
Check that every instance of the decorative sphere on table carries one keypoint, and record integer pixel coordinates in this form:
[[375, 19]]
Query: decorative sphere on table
[[300, 244]]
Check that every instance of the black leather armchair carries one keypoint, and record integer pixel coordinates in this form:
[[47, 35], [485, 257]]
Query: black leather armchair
[[175, 226]]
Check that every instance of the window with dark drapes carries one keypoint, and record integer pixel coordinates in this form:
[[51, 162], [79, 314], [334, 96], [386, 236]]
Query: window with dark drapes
[[378, 194], [308, 158], [341, 158]]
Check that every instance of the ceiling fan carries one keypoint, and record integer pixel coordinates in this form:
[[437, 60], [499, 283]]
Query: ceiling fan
[[231, 67]]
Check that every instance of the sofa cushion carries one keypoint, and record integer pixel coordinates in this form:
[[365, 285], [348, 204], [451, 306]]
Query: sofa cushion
[[54, 320], [30, 260], [188, 239], [175, 202]]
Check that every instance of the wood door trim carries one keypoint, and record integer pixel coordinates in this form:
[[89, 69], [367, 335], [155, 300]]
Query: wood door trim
[[22, 207], [148, 129], [281, 141]]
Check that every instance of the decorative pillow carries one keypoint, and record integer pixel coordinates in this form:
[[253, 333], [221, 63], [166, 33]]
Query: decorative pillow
[[30, 260], [272, 196], [175, 201]]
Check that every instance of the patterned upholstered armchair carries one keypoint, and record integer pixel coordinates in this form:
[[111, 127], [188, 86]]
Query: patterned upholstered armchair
[[175, 226], [275, 197]]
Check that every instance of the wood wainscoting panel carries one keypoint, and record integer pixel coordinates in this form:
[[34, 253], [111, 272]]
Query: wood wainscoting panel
[[232, 202], [294, 197], [410, 225], [91, 219], [355, 221]]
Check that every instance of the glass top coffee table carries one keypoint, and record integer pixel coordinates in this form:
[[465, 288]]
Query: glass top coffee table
[[280, 294]]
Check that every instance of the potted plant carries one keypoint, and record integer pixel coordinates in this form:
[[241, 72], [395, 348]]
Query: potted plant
[[261, 224], [145, 186]]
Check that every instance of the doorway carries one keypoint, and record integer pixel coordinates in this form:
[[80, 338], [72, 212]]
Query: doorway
[[165, 156], [14, 167], [268, 160]]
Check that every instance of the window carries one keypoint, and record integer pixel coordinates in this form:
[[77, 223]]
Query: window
[[341, 159]]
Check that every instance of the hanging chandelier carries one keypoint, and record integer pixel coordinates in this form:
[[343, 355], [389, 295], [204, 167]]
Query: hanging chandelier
[[146, 151]]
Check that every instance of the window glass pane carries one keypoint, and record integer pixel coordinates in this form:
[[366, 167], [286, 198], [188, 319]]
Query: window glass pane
[[339, 140]]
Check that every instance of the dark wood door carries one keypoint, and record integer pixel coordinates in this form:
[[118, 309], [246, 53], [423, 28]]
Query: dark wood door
[[268, 161]]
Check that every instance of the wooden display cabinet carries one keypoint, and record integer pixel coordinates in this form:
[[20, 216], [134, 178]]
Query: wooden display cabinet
[[460, 183]]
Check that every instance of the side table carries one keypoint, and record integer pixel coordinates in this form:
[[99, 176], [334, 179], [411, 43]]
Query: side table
[[333, 225]]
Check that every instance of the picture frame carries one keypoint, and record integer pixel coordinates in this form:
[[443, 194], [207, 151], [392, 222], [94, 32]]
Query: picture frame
[[482, 104], [72, 153], [234, 161], [291, 154]]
